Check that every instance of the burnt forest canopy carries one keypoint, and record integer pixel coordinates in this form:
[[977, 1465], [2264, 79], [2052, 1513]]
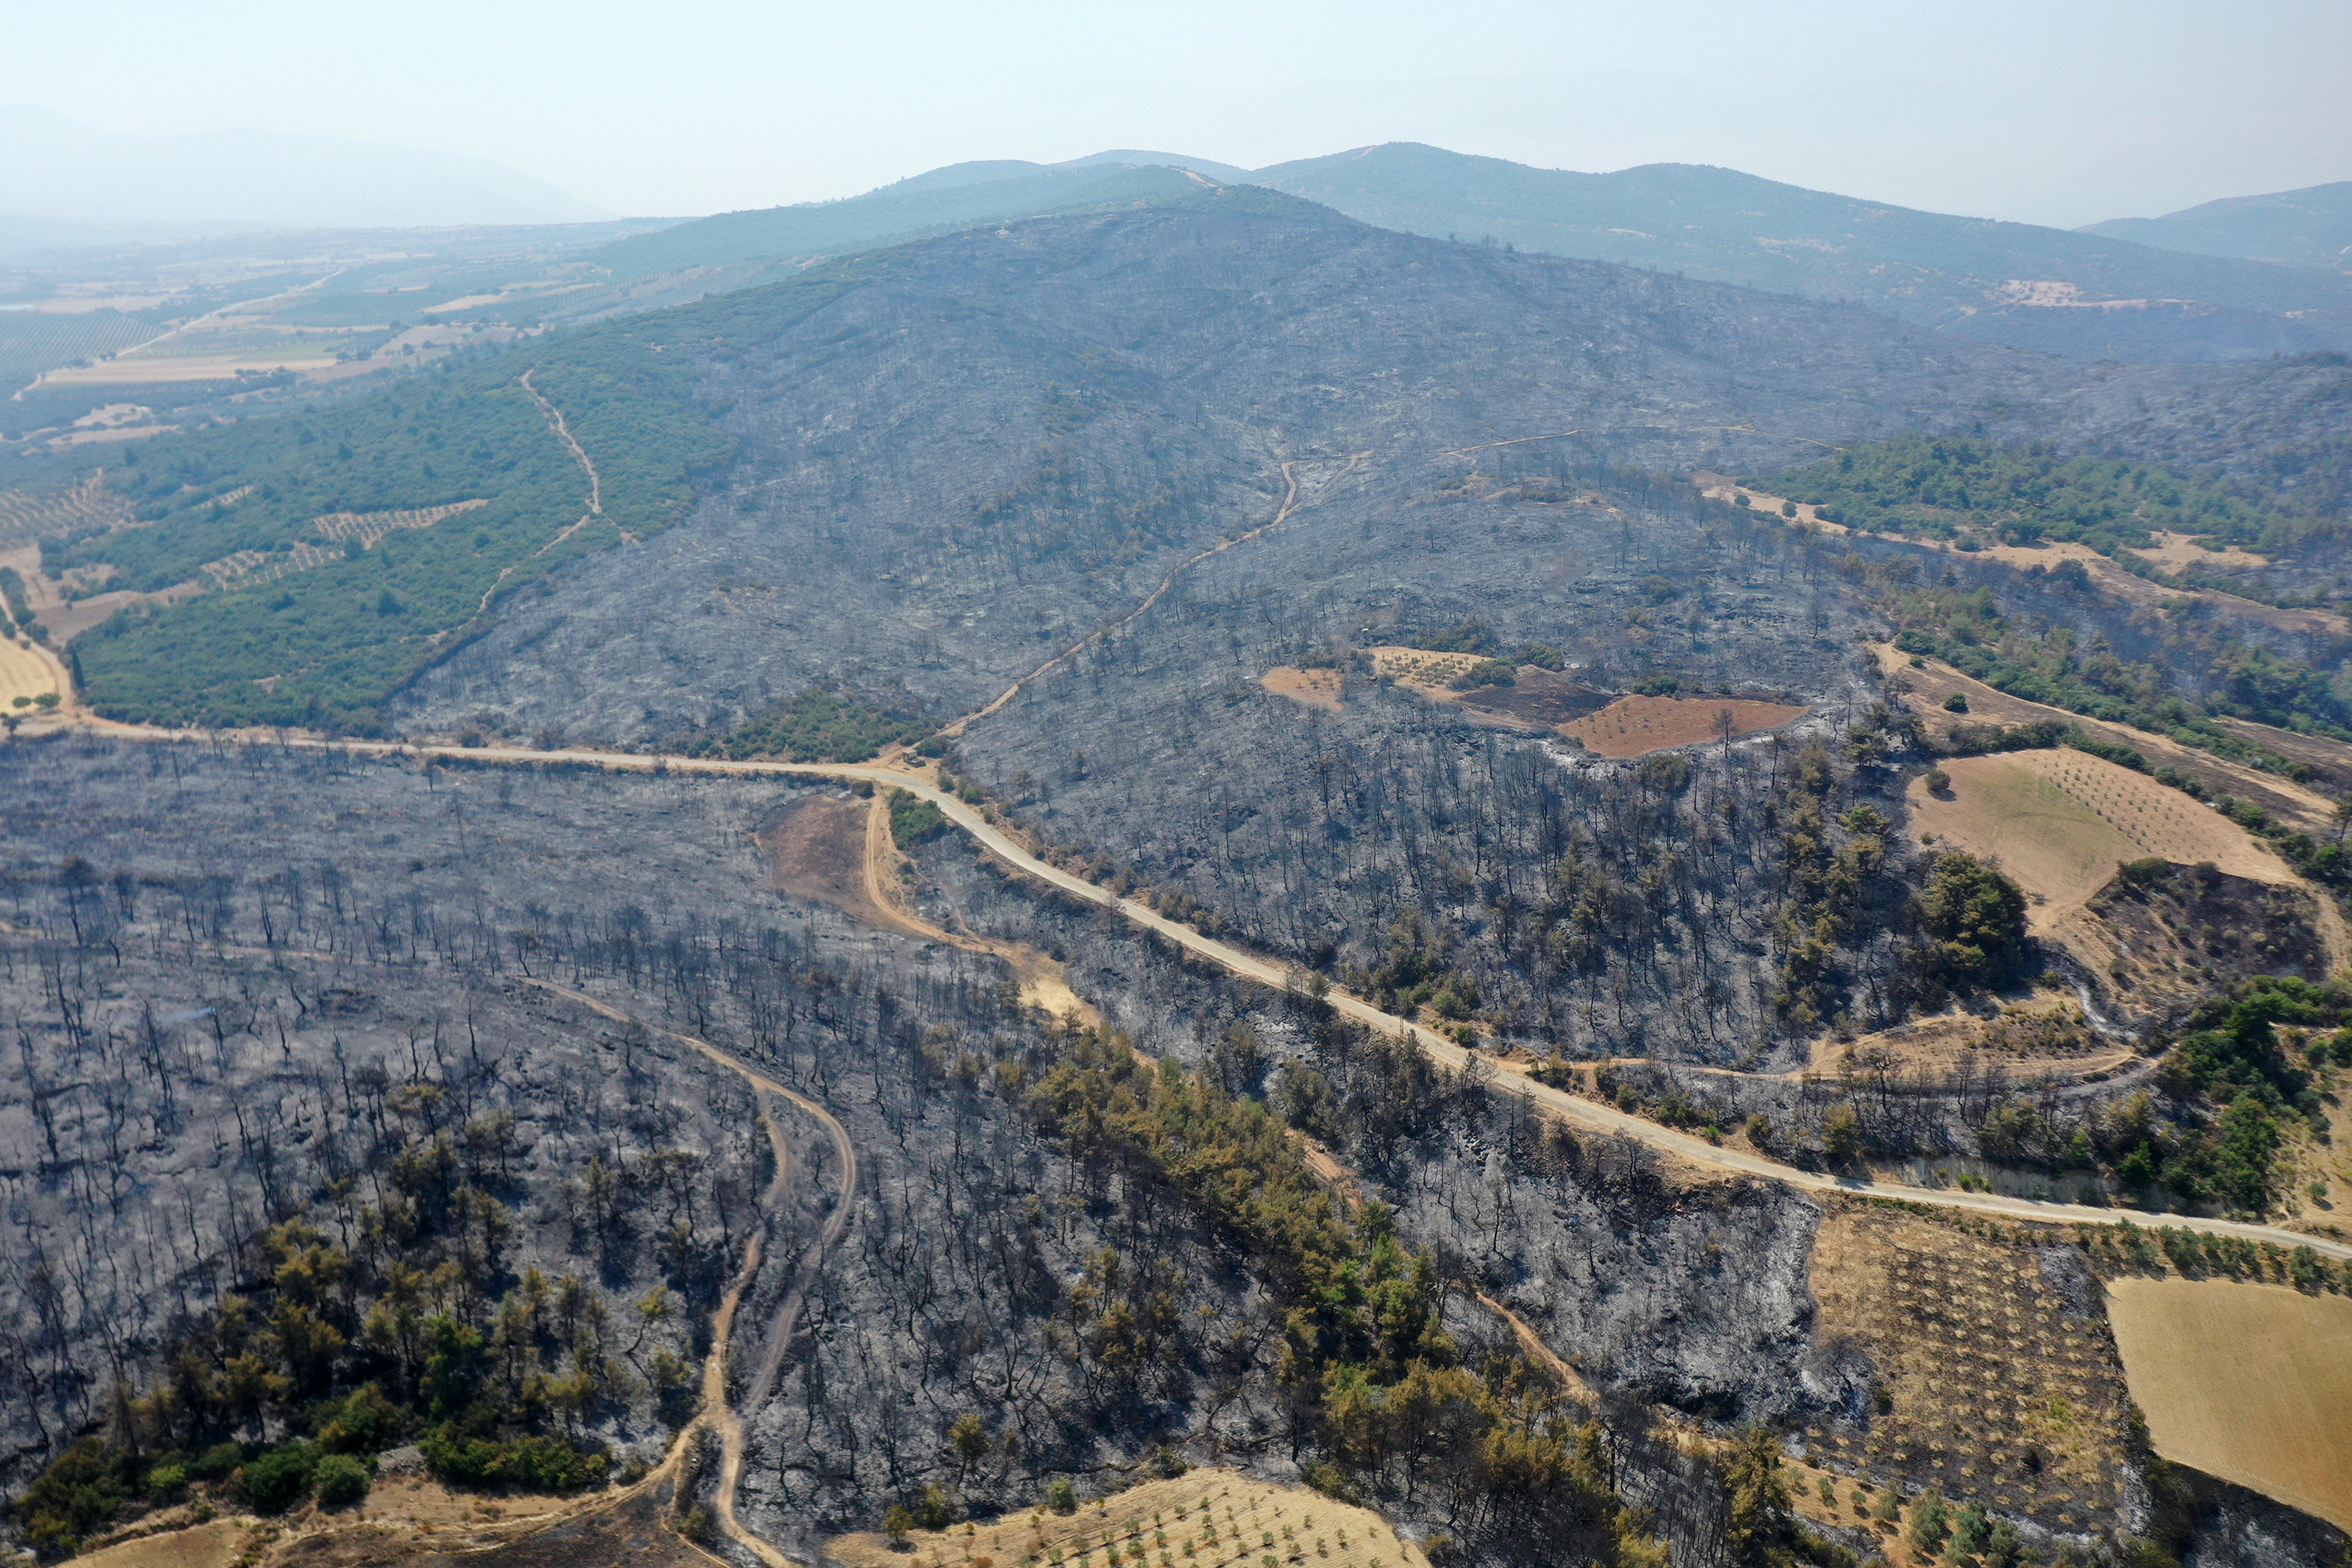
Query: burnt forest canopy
[[910, 472]]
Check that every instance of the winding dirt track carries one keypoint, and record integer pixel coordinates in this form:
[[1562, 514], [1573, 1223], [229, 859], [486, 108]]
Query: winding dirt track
[[1282, 515], [718, 1411]]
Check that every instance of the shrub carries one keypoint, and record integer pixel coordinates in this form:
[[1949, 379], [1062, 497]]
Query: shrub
[[1937, 780], [541, 1464], [341, 1480], [280, 1478], [1929, 1524], [1062, 1496], [1957, 702], [913, 819]]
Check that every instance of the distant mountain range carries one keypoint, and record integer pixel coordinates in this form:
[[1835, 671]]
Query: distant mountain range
[[2310, 227], [2081, 294], [57, 168]]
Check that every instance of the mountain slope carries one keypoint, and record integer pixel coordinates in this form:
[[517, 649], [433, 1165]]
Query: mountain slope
[[925, 204], [2018, 284], [2310, 227]]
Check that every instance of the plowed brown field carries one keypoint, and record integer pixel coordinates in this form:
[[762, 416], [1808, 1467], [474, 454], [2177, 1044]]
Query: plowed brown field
[[1633, 725]]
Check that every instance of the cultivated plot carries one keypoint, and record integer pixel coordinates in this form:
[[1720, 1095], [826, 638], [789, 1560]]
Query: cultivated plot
[[2249, 1383], [1204, 1518], [2061, 821]]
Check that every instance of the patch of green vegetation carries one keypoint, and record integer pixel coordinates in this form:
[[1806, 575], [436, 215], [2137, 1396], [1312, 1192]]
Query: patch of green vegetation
[[352, 1355], [817, 726], [913, 819], [1976, 917], [1933, 485]]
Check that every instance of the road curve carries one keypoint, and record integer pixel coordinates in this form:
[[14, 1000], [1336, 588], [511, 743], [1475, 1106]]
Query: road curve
[[1268, 971]]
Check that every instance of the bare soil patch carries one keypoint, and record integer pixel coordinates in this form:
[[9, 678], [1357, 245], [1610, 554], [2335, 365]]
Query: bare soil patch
[[2060, 822], [1631, 726], [816, 852], [2249, 1383], [1989, 1386], [1206, 1518], [1313, 688]]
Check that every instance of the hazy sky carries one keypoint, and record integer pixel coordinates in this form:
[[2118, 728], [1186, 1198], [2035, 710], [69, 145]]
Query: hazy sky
[[2049, 110]]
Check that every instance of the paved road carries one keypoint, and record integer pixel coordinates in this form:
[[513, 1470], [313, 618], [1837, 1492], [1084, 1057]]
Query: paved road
[[1268, 971]]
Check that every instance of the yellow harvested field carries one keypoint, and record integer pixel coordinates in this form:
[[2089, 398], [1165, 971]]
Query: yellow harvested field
[[2249, 1383], [1315, 687], [1203, 1519], [2061, 821], [201, 1546], [24, 672]]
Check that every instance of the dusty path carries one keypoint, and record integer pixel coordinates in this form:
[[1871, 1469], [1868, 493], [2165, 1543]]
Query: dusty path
[[1290, 505], [556, 422], [718, 1413]]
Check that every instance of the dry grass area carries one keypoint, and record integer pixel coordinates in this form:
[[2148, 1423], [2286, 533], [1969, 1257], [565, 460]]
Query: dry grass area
[[1313, 688], [2061, 821], [412, 1519], [1631, 726], [2041, 1037], [211, 1545], [2249, 1383], [1205, 1519], [2332, 759], [1989, 1389], [2177, 553]]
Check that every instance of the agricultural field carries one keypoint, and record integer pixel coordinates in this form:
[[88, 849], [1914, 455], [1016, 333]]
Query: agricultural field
[[33, 340], [1631, 726], [2249, 1383], [1996, 1378], [1204, 1518], [1925, 686], [24, 676], [2061, 821], [27, 515]]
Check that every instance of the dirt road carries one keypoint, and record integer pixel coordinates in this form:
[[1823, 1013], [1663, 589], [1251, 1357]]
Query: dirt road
[[1268, 972]]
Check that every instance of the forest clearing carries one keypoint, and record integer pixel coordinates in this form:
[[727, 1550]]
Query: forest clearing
[[2249, 1383], [1203, 1519], [1313, 688]]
